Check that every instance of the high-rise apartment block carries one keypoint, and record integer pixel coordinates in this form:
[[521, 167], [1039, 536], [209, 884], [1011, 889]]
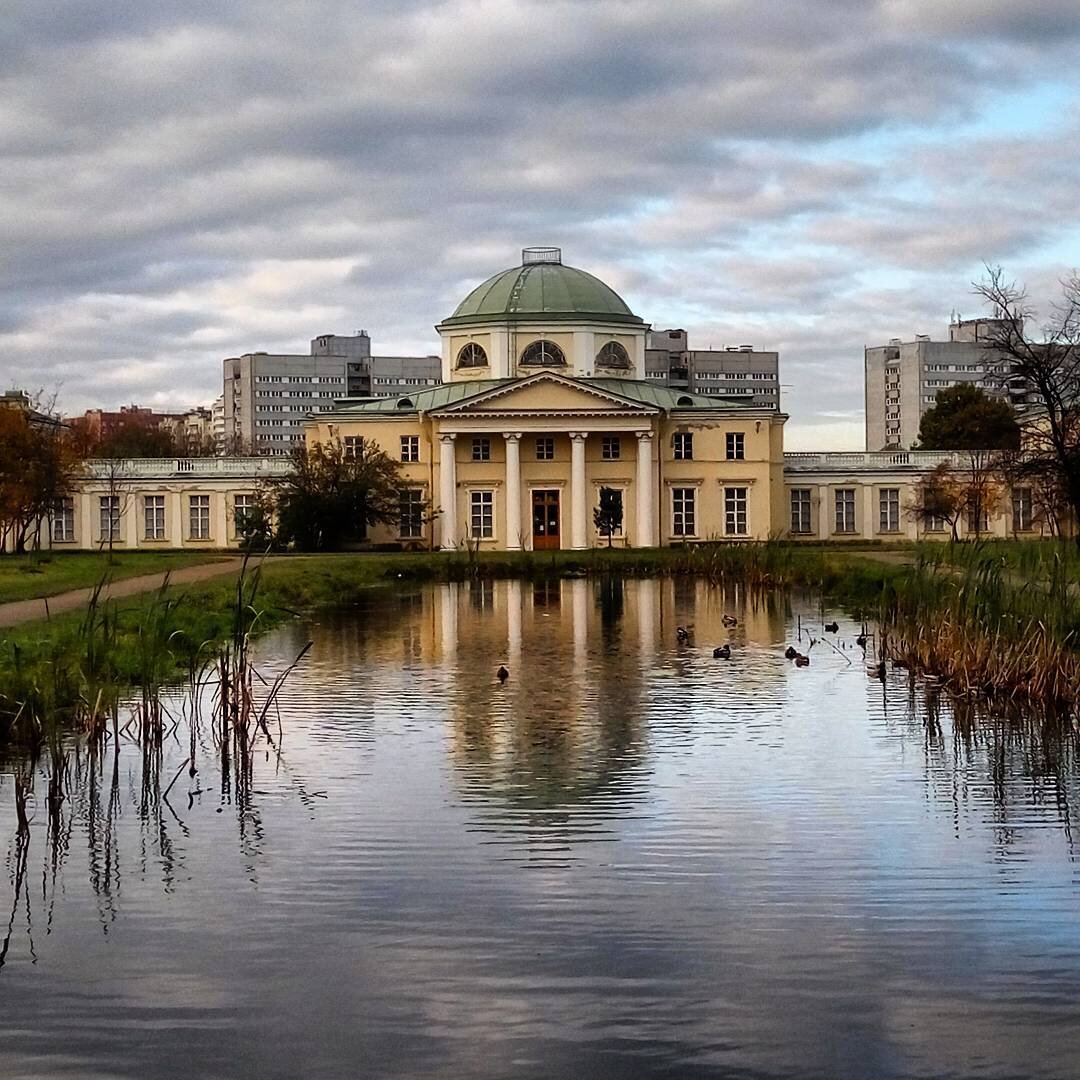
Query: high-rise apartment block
[[737, 373], [903, 379], [268, 395]]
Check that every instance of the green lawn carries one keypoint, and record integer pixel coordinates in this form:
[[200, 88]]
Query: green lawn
[[24, 577]]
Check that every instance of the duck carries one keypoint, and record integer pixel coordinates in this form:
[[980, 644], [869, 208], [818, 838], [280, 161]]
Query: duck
[[831, 627], [722, 652], [729, 621], [790, 652], [861, 641], [502, 674], [682, 634], [802, 661]]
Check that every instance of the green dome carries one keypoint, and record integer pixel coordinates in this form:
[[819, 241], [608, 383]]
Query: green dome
[[542, 288]]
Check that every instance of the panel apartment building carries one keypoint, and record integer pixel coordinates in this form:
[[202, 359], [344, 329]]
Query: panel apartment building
[[902, 379], [738, 373], [267, 396]]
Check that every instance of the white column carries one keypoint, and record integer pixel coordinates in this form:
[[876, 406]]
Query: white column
[[578, 502], [644, 485], [513, 491], [448, 493]]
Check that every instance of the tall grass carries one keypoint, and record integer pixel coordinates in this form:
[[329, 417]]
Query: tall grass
[[986, 629]]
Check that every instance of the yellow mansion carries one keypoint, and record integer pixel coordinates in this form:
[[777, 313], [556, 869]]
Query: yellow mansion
[[544, 402]]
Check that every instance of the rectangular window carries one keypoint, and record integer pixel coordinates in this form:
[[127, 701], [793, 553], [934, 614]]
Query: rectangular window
[[735, 511], [243, 505], [1023, 518], [545, 449], [845, 510], [610, 448], [411, 514], [618, 510], [978, 522], [935, 523], [735, 445], [199, 517], [683, 445], [354, 447], [154, 517], [889, 510], [800, 510], [410, 447], [63, 522], [482, 514], [683, 503], [481, 450], [109, 517]]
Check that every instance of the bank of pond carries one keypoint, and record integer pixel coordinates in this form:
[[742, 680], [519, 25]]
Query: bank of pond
[[985, 620]]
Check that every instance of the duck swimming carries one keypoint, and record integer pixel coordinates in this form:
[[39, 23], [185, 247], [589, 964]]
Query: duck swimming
[[682, 634], [802, 661], [722, 652], [729, 621], [831, 627], [790, 652], [502, 674]]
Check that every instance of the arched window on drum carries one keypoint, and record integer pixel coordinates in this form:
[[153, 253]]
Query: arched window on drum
[[472, 355], [613, 355], [542, 354]]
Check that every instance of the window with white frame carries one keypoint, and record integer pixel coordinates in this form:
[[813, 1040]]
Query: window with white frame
[[735, 445], [482, 514], [354, 447], [735, 511], [1022, 512], [935, 523], [845, 510], [978, 520], [683, 511], [889, 510], [154, 517], [411, 514], [682, 443], [545, 449], [610, 448], [800, 510], [410, 447], [243, 508], [481, 449], [109, 517], [63, 521], [618, 507], [199, 517]]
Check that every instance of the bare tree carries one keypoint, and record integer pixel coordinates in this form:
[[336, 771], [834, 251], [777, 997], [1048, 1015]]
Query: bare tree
[[1050, 372]]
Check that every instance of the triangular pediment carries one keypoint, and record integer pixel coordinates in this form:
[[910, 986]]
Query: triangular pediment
[[547, 392]]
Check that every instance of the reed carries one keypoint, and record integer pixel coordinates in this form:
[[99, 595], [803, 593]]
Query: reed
[[985, 630]]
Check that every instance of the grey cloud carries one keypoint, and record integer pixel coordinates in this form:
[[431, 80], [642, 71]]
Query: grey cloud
[[155, 157]]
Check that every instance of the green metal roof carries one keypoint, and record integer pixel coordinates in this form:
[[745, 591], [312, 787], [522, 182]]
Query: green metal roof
[[546, 290], [437, 397], [648, 393]]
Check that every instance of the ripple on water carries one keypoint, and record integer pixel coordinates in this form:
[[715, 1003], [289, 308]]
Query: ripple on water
[[630, 859]]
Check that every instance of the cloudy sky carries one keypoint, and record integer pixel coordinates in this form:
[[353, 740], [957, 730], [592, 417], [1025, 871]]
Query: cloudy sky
[[183, 182]]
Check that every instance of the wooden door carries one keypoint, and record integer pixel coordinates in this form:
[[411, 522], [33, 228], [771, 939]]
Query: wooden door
[[545, 518]]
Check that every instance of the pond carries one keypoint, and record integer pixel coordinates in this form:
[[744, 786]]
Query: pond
[[629, 859]]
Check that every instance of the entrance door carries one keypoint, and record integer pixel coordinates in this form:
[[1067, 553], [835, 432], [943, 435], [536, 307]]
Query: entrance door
[[545, 520]]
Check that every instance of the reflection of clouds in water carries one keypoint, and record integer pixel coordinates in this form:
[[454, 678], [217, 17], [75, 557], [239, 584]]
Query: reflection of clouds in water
[[629, 860]]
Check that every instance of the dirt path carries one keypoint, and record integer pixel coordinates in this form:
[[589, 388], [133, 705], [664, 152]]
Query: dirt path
[[20, 611]]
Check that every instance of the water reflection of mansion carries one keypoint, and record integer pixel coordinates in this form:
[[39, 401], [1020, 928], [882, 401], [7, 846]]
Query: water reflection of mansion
[[545, 401]]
